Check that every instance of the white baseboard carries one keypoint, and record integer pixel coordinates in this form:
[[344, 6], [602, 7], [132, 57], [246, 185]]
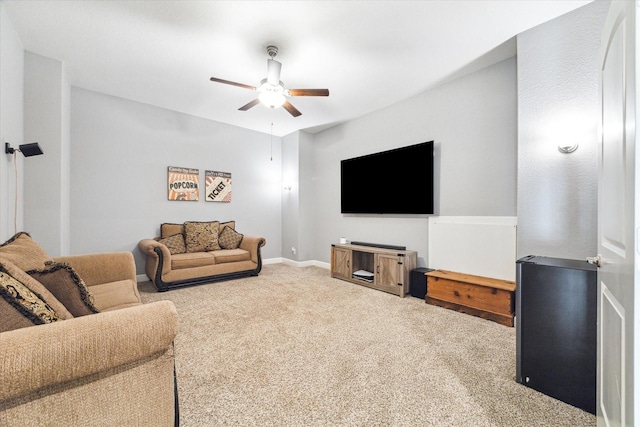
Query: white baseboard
[[142, 278]]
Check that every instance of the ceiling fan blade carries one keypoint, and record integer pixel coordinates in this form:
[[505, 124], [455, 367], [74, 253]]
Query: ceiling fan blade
[[309, 92], [273, 72], [291, 109], [249, 105], [227, 82]]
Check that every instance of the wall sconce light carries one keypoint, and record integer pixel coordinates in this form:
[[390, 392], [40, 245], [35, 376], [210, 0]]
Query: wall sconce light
[[28, 150], [566, 149]]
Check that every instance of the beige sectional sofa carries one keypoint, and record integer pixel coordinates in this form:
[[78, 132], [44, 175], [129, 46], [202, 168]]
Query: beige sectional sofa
[[112, 365], [200, 252]]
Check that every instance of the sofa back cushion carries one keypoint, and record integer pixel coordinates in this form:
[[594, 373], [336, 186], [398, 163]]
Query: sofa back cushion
[[201, 236], [169, 229], [231, 224], [20, 307], [65, 284], [22, 251]]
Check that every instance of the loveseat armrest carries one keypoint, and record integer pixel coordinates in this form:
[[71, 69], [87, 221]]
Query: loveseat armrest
[[252, 244], [38, 357], [149, 247], [96, 269]]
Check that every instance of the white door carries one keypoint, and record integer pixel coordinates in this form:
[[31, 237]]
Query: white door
[[617, 223]]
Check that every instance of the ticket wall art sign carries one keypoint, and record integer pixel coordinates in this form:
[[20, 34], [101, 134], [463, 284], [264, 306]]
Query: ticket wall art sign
[[183, 183], [218, 186]]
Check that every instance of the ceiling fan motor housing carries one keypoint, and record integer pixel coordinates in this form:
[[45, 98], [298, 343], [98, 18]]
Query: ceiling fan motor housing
[[273, 72], [272, 51]]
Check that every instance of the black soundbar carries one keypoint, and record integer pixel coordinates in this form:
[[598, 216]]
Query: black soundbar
[[379, 245]]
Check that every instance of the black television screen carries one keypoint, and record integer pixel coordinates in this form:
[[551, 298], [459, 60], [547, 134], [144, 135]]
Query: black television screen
[[398, 181]]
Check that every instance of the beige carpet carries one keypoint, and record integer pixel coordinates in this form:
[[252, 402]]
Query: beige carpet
[[294, 347]]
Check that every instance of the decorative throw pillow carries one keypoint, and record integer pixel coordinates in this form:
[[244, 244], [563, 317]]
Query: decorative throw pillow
[[229, 238], [168, 229], [22, 251], [201, 236], [25, 303], [37, 288], [11, 317], [65, 284], [174, 243]]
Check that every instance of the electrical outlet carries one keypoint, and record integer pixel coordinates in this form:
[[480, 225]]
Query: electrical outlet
[[293, 250]]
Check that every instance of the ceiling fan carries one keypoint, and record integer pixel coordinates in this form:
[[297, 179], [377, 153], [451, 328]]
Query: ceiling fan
[[272, 91]]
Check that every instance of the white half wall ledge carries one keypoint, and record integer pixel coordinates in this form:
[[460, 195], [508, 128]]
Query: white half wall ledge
[[477, 245]]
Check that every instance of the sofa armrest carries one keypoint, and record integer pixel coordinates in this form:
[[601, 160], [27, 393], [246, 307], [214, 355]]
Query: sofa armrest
[[252, 244], [101, 268], [37, 357]]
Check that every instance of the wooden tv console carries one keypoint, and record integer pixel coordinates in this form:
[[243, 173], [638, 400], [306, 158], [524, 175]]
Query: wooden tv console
[[389, 268]]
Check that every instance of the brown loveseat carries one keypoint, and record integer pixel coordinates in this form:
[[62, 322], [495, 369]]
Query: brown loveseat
[[200, 252], [114, 367]]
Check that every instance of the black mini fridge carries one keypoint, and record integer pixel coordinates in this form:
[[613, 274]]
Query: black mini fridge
[[556, 310]]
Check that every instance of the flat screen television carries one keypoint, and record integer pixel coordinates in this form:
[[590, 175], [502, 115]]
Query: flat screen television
[[398, 181]]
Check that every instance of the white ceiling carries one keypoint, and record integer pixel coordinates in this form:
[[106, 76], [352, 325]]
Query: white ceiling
[[369, 54]]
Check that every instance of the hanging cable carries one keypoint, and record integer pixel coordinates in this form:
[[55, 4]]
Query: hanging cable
[[15, 206], [271, 158]]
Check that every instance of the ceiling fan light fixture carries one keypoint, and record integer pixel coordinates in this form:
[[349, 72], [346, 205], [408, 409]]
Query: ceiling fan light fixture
[[271, 99], [271, 96]]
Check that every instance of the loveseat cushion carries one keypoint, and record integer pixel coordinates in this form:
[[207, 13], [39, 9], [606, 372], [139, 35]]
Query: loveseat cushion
[[195, 259], [201, 236], [22, 251], [229, 238], [174, 243], [231, 255], [20, 307], [168, 229], [231, 224], [68, 288], [115, 295]]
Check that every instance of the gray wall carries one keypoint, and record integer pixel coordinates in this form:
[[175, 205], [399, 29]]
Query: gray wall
[[558, 104], [120, 151], [11, 125], [308, 215], [473, 123], [46, 178], [291, 197], [298, 213]]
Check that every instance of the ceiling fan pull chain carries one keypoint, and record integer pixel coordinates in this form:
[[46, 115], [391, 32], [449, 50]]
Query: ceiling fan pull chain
[[271, 158]]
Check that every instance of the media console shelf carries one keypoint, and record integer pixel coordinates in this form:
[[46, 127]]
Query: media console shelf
[[379, 268]]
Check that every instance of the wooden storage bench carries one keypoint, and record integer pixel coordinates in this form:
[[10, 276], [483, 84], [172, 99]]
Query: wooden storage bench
[[491, 299]]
